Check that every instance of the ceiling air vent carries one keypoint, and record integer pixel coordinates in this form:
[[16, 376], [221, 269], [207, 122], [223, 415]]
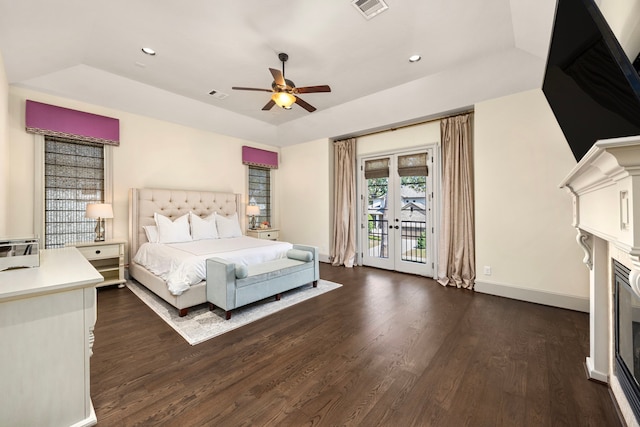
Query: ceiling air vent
[[218, 95], [369, 8]]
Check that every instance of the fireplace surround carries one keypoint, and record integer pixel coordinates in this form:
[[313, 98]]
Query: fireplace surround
[[626, 317], [605, 189]]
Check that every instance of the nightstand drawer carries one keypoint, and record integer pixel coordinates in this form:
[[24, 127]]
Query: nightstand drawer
[[267, 234], [271, 235], [102, 251]]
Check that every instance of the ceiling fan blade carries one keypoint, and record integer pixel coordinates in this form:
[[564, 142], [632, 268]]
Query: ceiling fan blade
[[310, 108], [268, 105], [312, 89], [252, 88], [277, 77]]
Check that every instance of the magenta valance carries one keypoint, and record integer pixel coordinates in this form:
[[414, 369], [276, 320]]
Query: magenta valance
[[257, 157], [45, 119]]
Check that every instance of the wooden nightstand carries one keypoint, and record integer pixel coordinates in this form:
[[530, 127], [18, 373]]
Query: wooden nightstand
[[107, 257], [264, 233]]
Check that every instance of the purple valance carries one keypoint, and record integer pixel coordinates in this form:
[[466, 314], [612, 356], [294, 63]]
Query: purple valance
[[45, 119], [257, 157]]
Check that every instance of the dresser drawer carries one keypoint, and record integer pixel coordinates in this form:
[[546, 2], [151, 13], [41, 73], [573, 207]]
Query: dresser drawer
[[102, 251]]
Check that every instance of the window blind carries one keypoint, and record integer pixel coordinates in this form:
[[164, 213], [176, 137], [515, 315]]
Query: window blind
[[74, 176], [378, 168], [260, 192], [413, 165]]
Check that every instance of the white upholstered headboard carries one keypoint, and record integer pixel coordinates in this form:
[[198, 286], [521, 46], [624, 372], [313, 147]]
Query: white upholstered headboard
[[144, 202]]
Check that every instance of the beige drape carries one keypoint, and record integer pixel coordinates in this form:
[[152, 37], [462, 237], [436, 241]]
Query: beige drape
[[344, 216], [456, 245]]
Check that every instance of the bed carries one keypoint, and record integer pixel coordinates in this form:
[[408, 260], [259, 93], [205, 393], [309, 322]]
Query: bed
[[146, 204]]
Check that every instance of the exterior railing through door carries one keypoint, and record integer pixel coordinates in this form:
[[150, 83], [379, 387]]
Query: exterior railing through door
[[412, 239]]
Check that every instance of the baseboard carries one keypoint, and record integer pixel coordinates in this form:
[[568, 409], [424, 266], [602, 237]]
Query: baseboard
[[324, 258], [537, 296], [593, 374]]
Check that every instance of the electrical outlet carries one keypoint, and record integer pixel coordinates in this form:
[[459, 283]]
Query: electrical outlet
[[487, 270]]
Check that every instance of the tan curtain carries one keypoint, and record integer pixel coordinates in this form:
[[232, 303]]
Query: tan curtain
[[456, 246], [344, 216]]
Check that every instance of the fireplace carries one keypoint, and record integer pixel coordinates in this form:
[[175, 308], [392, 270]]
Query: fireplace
[[627, 336], [605, 188]]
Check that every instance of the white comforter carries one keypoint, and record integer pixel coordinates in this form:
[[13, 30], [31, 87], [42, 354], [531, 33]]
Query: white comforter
[[184, 264]]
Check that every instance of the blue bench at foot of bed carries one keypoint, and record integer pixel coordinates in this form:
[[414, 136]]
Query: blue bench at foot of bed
[[230, 286]]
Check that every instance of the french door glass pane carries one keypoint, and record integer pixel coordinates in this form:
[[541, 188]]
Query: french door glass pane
[[413, 218], [378, 217]]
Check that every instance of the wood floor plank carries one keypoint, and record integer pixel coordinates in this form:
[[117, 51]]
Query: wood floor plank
[[385, 349]]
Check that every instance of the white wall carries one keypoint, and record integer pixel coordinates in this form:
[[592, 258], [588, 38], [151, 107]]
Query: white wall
[[4, 149], [400, 139], [523, 219], [152, 153], [306, 200]]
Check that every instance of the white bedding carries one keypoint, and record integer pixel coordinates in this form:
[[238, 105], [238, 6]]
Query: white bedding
[[184, 264]]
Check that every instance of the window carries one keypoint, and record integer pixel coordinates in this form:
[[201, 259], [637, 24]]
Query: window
[[74, 175], [260, 192]]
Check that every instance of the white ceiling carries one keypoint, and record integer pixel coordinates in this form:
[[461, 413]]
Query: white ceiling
[[89, 50]]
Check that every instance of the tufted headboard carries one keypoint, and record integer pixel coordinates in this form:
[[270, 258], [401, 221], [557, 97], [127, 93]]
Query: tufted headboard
[[144, 202]]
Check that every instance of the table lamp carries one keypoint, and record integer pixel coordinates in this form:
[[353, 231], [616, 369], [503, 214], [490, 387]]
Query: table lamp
[[100, 211], [253, 211]]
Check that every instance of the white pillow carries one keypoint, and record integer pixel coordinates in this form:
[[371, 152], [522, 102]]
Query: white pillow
[[228, 226], [172, 231], [203, 228], [152, 233]]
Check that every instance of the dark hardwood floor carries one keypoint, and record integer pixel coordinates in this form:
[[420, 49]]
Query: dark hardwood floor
[[385, 349]]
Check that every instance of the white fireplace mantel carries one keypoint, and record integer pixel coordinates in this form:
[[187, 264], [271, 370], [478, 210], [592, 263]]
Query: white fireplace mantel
[[605, 187]]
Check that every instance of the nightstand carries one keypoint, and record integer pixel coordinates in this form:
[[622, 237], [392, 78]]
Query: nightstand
[[107, 257], [264, 233]]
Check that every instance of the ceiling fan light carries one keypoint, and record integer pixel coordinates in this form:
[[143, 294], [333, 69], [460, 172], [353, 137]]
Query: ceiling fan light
[[283, 99]]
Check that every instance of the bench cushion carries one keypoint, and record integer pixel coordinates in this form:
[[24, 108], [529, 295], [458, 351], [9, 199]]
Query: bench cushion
[[272, 270]]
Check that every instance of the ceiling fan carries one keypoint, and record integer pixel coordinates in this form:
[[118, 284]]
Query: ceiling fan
[[284, 91]]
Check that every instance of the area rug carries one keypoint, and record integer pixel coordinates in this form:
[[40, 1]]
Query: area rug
[[202, 324]]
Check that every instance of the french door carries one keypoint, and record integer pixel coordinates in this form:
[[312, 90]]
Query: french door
[[397, 212]]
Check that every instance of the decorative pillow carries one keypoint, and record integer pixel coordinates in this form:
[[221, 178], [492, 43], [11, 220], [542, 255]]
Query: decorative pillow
[[241, 271], [203, 228], [300, 255], [228, 226], [152, 233], [172, 231]]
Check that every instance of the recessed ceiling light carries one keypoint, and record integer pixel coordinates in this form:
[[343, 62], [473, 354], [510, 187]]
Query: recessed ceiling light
[[415, 58], [149, 51]]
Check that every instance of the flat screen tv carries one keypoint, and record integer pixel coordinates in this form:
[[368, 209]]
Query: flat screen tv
[[590, 84]]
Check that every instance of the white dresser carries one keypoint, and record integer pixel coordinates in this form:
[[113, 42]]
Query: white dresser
[[47, 316]]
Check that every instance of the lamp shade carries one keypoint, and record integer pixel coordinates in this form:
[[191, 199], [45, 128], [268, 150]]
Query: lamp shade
[[253, 210], [99, 210], [283, 99]]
